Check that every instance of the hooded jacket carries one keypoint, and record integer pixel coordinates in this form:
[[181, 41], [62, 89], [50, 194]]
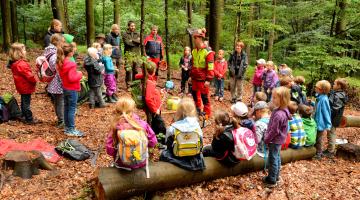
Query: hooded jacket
[[69, 76], [152, 96], [153, 46], [337, 100], [238, 64], [94, 70], [278, 127], [323, 113], [55, 86], [114, 40], [257, 78], [223, 146], [24, 79], [310, 130], [220, 68]]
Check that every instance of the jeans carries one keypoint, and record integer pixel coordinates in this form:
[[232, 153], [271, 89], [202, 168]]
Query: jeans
[[184, 79], [256, 89], [59, 106], [236, 88], [274, 162], [95, 92], [70, 101], [25, 107], [219, 87], [268, 92]]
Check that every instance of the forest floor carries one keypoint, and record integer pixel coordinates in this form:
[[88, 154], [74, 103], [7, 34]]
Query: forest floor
[[326, 179]]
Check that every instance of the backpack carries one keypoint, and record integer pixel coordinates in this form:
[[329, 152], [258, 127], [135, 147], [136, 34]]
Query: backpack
[[73, 149], [187, 143], [11, 107], [83, 94], [4, 114], [244, 143], [132, 148], [43, 70]]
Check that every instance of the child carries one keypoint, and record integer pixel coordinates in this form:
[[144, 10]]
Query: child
[[309, 124], [259, 96], [126, 119], [71, 83], [295, 90], [185, 64], [276, 133], [240, 112], [109, 80], [270, 79], [337, 99], [261, 112], [298, 135], [24, 79], [223, 142], [322, 114], [178, 151], [99, 49], [220, 68], [257, 78], [285, 71], [300, 81], [95, 72]]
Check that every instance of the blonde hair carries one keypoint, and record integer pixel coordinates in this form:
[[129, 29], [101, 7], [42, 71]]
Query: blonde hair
[[270, 63], [17, 51], [185, 109], [222, 119], [324, 86], [260, 96], [55, 22], [56, 39], [96, 45], [107, 49], [286, 80], [187, 48], [284, 96], [62, 53], [92, 51], [113, 27]]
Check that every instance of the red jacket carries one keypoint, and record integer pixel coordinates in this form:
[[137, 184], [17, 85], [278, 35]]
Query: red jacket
[[202, 64], [257, 79], [24, 79], [220, 68], [152, 96], [69, 76]]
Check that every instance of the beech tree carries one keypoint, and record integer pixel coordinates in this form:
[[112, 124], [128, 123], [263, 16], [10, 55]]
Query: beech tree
[[215, 25], [57, 7], [6, 24], [90, 22]]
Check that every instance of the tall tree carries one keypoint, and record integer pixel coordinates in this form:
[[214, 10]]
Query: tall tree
[[340, 28], [333, 19], [117, 12], [238, 24], [6, 24], [250, 31], [66, 15], [272, 32], [142, 26], [90, 22], [103, 16], [216, 12], [14, 23], [167, 39], [57, 7], [189, 16]]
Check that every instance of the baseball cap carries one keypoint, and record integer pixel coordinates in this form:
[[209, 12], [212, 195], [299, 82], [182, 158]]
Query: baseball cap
[[260, 105], [261, 61], [240, 109]]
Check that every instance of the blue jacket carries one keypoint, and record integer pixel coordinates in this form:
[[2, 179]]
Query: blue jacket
[[109, 66], [323, 113]]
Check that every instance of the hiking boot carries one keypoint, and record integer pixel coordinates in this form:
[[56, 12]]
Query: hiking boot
[[329, 154], [102, 105], [268, 183], [221, 99], [109, 99], [74, 132], [60, 124], [317, 156], [233, 101], [91, 106], [114, 97]]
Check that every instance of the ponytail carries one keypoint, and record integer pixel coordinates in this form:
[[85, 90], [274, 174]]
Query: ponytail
[[223, 119], [62, 53]]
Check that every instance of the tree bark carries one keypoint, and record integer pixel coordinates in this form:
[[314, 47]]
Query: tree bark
[[167, 40], [57, 7], [14, 23], [103, 16], [6, 24], [216, 12], [272, 33], [341, 19], [238, 24], [90, 22], [250, 31], [207, 15], [142, 27], [117, 12], [66, 15], [333, 19], [189, 17]]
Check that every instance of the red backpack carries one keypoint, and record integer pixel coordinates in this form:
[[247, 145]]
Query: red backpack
[[43, 70]]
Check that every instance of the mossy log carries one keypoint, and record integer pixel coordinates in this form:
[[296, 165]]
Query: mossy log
[[350, 121]]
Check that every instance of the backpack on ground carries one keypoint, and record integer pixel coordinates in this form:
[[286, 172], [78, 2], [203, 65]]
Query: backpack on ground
[[43, 70], [73, 149], [187, 143], [244, 143], [4, 114], [83, 94], [12, 106]]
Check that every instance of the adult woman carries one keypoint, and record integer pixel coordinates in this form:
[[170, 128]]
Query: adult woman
[[55, 27]]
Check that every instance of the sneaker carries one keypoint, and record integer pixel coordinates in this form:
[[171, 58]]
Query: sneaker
[[317, 156], [216, 98], [329, 154], [60, 124], [109, 99], [268, 183], [114, 97], [221, 99], [74, 132], [32, 122]]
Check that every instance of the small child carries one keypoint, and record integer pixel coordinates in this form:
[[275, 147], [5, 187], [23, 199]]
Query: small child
[[99, 49], [298, 135], [109, 80], [257, 78], [300, 81], [185, 125], [71, 83], [309, 124], [261, 112], [185, 64], [95, 70], [24, 79], [337, 99], [322, 114], [284, 71], [126, 119], [276, 133], [295, 90], [259, 96], [270, 79], [223, 142], [220, 68], [240, 112]]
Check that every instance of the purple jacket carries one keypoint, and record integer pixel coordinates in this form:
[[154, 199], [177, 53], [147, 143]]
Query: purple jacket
[[270, 79], [152, 141], [278, 127]]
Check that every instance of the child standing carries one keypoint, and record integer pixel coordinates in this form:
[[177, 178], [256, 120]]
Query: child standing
[[220, 68], [276, 133], [71, 84], [185, 64], [261, 112], [95, 72], [309, 124], [24, 79], [322, 114], [298, 135], [296, 94], [285, 71], [257, 78], [109, 80], [337, 99], [126, 119], [270, 79]]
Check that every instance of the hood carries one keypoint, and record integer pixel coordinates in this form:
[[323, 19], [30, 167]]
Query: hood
[[66, 67], [188, 124], [246, 123], [309, 121], [50, 49], [341, 95]]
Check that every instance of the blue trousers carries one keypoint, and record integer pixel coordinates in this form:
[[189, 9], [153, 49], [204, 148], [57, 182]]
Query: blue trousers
[[219, 87], [274, 162], [70, 101]]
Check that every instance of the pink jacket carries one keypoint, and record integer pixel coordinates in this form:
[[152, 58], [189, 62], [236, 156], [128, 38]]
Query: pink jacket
[[152, 141], [257, 78], [220, 68]]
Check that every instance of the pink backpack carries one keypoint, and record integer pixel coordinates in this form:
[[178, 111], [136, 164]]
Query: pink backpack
[[43, 70], [244, 143]]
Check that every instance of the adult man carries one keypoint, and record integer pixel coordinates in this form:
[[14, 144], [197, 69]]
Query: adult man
[[154, 47]]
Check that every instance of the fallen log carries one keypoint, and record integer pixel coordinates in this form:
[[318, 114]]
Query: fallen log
[[349, 152], [350, 121], [112, 183]]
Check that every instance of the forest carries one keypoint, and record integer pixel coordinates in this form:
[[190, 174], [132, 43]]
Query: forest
[[317, 39]]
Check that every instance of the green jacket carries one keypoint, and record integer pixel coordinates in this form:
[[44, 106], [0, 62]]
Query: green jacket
[[310, 130]]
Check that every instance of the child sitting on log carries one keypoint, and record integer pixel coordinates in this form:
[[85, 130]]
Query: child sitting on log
[[309, 124], [298, 135], [261, 113], [184, 138]]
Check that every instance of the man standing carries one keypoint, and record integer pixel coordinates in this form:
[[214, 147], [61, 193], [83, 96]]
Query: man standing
[[154, 47]]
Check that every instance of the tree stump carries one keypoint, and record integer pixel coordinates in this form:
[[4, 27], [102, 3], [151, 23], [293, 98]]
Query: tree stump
[[349, 151], [25, 163]]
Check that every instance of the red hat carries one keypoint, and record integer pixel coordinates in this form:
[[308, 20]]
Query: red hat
[[199, 33]]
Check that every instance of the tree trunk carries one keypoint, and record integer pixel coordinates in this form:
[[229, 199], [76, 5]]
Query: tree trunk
[[57, 7], [117, 12], [167, 40], [207, 15], [257, 16], [189, 16], [341, 19], [250, 31], [14, 23], [216, 12], [142, 27], [6, 24], [333, 19], [238, 24], [90, 22], [66, 15], [272, 34], [103, 16]]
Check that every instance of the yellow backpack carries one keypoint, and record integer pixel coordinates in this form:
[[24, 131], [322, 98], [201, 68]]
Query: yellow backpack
[[187, 143]]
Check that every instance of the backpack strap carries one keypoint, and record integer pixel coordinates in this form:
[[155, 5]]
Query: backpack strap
[[49, 56]]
